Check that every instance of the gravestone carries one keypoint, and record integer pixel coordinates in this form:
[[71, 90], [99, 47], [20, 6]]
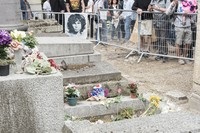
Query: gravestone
[[195, 97], [11, 16]]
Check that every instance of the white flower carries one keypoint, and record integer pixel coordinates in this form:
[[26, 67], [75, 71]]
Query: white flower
[[18, 35]]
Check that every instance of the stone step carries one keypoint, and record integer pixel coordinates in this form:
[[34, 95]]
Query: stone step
[[64, 46], [173, 122], [94, 108], [93, 73], [79, 59], [112, 86]]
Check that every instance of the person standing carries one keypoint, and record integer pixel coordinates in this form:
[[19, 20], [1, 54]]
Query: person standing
[[103, 31], [89, 4], [75, 6], [146, 22], [115, 19], [161, 25], [182, 25], [58, 6], [26, 10], [129, 21], [47, 8]]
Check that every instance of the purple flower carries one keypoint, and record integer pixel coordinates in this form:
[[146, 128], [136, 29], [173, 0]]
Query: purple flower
[[5, 38]]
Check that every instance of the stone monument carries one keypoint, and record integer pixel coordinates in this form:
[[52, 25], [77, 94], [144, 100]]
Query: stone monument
[[11, 16], [195, 97]]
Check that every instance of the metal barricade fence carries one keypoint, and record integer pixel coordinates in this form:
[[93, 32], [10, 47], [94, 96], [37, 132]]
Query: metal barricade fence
[[57, 22], [160, 42], [166, 40], [116, 31], [123, 32]]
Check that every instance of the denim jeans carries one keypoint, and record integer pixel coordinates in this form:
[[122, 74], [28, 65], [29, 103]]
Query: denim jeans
[[129, 23], [117, 29], [103, 31]]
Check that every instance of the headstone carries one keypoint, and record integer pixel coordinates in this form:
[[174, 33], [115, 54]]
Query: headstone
[[31, 103], [195, 97], [10, 15]]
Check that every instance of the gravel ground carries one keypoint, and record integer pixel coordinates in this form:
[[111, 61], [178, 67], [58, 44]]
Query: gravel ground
[[152, 76]]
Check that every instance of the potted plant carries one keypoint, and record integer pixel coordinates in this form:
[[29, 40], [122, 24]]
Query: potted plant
[[133, 90], [5, 61], [72, 93]]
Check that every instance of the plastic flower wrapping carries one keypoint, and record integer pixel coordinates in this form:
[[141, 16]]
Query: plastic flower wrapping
[[38, 63], [99, 91]]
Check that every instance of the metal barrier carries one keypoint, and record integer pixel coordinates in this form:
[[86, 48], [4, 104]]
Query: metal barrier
[[161, 42], [125, 33], [166, 40], [54, 22]]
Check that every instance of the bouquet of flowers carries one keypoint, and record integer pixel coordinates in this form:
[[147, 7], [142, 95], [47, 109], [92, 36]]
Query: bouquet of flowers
[[132, 87], [153, 106], [5, 40], [38, 63], [72, 91], [23, 40]]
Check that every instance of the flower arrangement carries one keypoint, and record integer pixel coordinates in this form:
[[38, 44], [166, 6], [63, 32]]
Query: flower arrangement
[[23, 40], [71, 90], [153, 106], [29, 40], [38, 63], [5, 40], [18, 35], [132, 87]]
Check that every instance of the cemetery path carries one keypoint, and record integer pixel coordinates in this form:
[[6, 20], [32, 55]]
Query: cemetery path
[[152, 76]]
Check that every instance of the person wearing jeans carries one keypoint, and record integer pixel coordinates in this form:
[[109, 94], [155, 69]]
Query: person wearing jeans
[[127, 15]]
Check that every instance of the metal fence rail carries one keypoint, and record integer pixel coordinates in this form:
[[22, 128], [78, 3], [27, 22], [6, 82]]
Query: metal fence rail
[[125, 32]]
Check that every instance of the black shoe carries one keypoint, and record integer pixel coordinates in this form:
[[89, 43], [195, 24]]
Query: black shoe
[[164, 59], [158, 58]]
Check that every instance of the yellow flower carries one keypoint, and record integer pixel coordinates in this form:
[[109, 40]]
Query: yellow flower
[[155, 100]]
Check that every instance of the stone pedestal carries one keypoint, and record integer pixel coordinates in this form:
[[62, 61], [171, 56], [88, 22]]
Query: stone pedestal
[[31, 103], [195, 97], [10, 15], [36, 6]]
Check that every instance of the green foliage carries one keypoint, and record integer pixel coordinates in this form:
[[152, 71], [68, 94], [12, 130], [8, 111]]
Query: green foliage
[[126, 113], [6, 62], [72, 91], [30, 41], [133, 88], [3, 54]]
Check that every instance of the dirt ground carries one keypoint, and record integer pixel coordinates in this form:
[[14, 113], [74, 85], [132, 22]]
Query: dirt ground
[[150, 75]]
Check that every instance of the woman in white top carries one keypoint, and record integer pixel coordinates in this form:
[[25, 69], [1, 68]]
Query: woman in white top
[[47, 8], [115, 19], [89, 9]]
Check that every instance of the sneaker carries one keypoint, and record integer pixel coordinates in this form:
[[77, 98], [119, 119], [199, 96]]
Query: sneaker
[[181, 61]]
